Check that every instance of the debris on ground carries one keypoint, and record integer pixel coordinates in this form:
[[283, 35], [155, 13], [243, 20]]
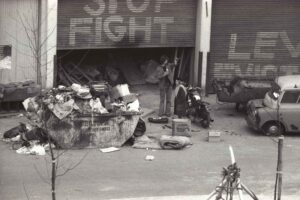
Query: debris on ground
[[146, 142], [109, 149], [149, 157], [32, 150], [159, 120], [174, 142]]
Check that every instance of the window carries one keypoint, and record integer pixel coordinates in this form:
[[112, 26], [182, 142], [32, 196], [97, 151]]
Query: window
[[291, 97]]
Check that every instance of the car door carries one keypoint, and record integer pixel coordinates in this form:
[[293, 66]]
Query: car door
[[290, 110]]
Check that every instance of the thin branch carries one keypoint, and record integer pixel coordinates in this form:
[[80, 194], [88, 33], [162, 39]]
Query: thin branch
[[27, 34], [83, 57], [21, 52], [40, 175], [29, 25], [45, 52], [64, 55], [47, 37], [14, 38], [23, 24], [46, 16], [14, 19], [58, 155], [71, 168], [57, 158], [23, 66], [25, 190], [46, 166], [57, 163]]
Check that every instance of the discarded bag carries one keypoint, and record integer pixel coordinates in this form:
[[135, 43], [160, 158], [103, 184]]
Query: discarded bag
[[174, 142], [15, 131], [140, 128]]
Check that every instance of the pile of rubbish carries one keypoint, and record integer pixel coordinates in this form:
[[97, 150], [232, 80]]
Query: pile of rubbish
[[98, 98], [28, 139], [65, 115]]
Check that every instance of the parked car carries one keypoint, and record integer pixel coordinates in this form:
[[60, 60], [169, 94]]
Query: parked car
[[279, 111]]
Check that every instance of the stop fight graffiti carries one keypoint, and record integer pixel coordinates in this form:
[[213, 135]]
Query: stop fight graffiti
[[118, 21], [263, 59]]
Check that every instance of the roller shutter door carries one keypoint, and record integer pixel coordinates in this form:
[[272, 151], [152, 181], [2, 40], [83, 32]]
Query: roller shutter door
[[254, 38], [126, 23]]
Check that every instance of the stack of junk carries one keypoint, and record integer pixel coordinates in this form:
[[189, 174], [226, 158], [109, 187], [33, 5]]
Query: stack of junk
[[79, 116]]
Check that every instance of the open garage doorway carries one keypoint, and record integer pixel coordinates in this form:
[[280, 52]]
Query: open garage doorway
[[134, 66]]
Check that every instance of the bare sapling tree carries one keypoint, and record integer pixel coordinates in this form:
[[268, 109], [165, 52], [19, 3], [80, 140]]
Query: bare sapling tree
[[36, 44], [55, 155]]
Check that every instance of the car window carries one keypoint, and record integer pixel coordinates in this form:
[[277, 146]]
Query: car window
[[291, 97]]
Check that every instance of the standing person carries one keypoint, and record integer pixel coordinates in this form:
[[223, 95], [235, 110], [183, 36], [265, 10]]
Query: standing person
[[165, 74]]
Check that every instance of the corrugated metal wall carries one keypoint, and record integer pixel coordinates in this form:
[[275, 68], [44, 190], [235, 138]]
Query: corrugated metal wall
[[12, 33], [256, 38], [126, 23]]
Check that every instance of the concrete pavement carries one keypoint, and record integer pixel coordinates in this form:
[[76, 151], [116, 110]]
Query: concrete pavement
[[204, 197], [190, 173]]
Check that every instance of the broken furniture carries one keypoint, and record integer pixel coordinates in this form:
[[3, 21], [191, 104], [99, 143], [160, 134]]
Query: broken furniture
[[241, 90]]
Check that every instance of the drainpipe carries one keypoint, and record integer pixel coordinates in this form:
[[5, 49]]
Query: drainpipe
[[202, 46]]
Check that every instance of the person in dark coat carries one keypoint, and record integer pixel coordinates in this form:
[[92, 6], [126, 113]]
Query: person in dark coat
[[165, 74]]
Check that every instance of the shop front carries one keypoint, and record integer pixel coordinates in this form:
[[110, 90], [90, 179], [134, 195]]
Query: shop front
[[257, 39], [95, 38]]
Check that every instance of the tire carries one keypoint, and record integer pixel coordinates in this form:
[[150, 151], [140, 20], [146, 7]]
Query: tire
[[273, 129]]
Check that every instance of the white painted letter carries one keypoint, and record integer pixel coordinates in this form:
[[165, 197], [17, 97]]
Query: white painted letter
[[74, 29], [133, 27], [139, 9], [120, 30], [97, 12], [163, 21], [98, 30], [226, 70], [159, 2], [113, 5], [294, 52], [269, 70], [263, 40], [232, 55]]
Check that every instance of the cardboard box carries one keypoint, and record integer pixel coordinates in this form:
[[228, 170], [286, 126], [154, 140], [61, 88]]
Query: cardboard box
[[181, 127], [214, 136]]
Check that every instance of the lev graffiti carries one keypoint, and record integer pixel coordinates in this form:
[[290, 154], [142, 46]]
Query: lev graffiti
[[262, 60], [263, 40]]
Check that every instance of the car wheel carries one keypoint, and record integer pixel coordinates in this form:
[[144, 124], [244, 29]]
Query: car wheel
[[273, 129]]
